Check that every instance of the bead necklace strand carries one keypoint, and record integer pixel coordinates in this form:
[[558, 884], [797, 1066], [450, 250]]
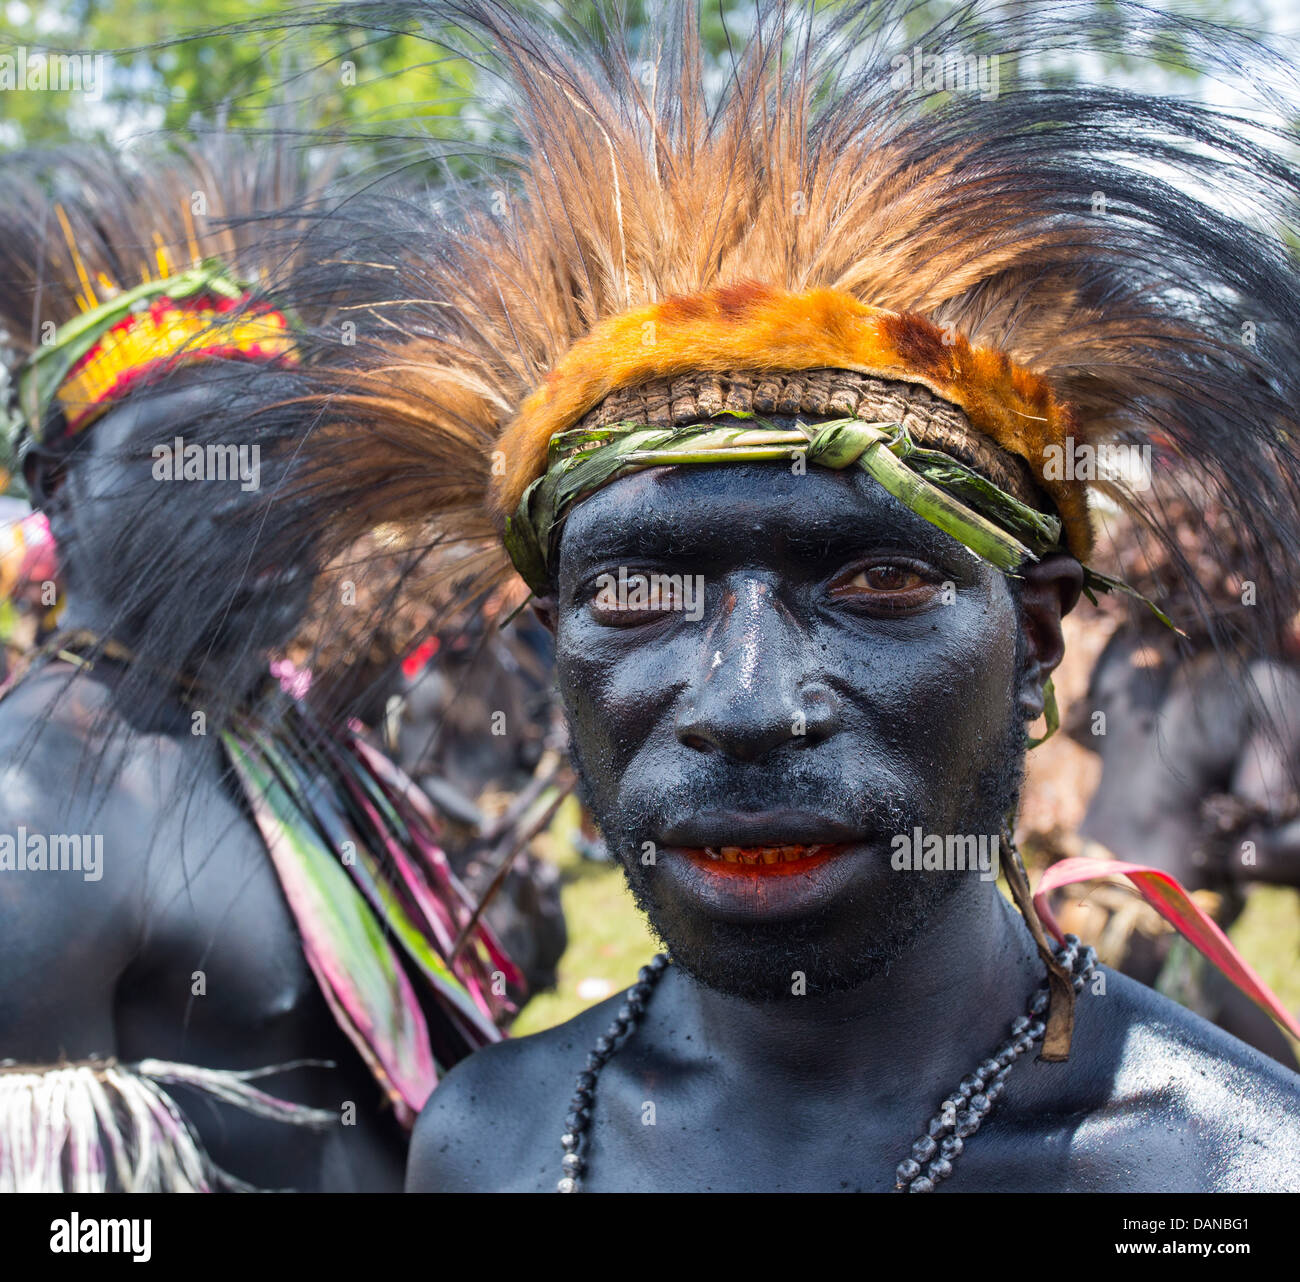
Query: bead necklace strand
[[933, 1154]]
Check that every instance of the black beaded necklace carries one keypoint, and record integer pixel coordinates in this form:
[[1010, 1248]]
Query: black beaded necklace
[[933, 1154]]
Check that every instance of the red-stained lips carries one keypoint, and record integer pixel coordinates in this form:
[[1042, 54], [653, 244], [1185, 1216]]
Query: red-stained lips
[[762, 861]]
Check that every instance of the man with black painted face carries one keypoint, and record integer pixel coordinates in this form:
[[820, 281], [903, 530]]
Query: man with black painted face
[[179, 1008], [782, 388], [857, 675], [851, 680]]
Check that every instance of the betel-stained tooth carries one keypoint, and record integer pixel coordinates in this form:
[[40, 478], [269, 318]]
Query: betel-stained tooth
[[751, 856]]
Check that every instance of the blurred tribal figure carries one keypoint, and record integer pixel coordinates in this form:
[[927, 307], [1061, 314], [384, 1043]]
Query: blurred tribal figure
[[1200, 755], [769, 378], [438, 729], [225, 918]]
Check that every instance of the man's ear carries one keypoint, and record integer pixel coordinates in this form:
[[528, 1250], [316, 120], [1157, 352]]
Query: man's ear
[[1049, 591], [544, 608], [43, 475]]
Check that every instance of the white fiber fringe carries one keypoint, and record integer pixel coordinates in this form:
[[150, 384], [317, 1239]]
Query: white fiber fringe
[[92, 1127]]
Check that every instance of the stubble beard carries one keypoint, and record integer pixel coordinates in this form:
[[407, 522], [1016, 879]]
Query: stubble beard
[[835, 949]]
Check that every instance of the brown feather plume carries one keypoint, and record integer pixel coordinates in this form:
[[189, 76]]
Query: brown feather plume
[[1114, 243]]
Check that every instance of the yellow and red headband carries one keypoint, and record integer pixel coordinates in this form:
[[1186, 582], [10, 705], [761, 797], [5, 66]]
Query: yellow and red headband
[[94, 359]]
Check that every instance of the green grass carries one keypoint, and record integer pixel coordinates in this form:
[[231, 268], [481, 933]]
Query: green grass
[[1268, 935], [608, 937]]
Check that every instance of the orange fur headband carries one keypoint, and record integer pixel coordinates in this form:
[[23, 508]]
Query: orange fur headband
[[759, 328]]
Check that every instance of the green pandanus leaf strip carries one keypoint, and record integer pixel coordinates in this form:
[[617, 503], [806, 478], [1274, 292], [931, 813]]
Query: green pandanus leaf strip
[[869, 445], [346, 946], [1040, 530], [875, 447], [993, 524], [1094, 582], [584, 461], [376, 846]]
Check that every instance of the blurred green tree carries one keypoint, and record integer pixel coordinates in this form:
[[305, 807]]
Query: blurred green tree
[[157, 74], [228, 60]]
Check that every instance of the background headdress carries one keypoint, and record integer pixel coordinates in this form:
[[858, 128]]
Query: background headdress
[[120, 267], [122, 271]]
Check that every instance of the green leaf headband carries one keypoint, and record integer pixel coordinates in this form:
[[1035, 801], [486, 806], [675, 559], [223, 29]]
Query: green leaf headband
[[995, 525], [940, 489]]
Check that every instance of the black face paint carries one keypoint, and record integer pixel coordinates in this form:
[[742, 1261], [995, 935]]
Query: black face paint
[[853, 677]]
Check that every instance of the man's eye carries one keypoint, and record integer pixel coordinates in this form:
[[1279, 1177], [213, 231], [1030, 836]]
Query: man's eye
[[637, 597], [887, 585], [886, 578]]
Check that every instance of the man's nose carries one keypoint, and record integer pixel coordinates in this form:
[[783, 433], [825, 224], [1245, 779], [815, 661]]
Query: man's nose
[[754, 691]]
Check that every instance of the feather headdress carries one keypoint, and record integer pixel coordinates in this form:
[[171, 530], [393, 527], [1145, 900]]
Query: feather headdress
[[121, 271], [838, 215], [118, 268]]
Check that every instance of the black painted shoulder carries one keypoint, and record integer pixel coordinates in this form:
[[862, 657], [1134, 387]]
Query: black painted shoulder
[[1241, 1107], [494, 1123]]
